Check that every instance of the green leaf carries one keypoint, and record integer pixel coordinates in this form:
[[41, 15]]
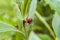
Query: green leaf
[[18, 12], [32, 8], [6, 35], [18, 36], [7, 13], [8, 28], [24, 8], [33, 36], [55, 4], [45, 37], [56, 24]]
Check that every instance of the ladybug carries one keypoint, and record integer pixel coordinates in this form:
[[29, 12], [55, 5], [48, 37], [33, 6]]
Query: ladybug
[[29, 20]]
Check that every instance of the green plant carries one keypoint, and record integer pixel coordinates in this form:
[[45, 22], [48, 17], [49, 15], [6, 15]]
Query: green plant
[[29, 20]]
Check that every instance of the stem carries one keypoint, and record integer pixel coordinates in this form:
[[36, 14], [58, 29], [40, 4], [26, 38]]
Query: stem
[[26, 32], [45, 23]]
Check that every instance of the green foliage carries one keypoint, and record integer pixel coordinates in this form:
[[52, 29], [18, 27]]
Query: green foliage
[[56, 24], [33, 36], [55, 4], [44, 37], [32, 9], [13, 12], [6, 35], [6, 28]]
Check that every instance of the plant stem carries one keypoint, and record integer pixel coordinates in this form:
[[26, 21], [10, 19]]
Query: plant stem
[[26, 32], [45, 23]]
